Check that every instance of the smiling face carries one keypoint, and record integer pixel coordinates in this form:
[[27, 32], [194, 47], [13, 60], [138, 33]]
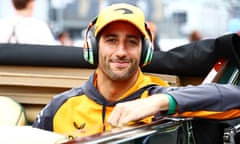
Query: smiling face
[[120, 46]]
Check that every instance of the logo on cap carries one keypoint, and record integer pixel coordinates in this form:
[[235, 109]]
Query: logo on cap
[[125, 10]]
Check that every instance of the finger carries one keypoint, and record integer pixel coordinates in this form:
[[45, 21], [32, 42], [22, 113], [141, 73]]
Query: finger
[[128, 118], [114, 117], [127, 115]]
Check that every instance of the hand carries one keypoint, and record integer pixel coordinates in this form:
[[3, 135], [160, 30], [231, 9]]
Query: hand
[[126, 112]]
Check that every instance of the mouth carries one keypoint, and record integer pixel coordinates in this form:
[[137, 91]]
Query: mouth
[[120, 64]]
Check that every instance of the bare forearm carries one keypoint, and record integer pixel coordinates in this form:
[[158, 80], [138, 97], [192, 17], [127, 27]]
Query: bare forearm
[[138, 109]]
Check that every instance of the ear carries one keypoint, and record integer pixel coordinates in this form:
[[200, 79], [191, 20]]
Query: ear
[[30, 6]]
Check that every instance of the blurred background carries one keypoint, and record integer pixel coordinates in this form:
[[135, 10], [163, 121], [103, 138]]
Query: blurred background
[[174, 21]]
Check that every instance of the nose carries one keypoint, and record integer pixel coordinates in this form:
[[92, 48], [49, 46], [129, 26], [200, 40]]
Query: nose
[[121, 49]]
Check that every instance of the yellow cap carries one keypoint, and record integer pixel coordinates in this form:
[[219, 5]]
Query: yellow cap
[[121, 12]]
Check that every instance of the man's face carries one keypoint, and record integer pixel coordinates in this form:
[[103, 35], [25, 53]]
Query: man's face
[[119, 51]]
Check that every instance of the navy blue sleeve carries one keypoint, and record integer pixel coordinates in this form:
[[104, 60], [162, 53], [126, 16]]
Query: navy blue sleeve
[[211, 97]]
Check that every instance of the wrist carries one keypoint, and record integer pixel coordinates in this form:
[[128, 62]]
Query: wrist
[[172, 105]]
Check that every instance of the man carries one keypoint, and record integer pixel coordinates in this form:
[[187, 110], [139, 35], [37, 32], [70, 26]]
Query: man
[[121, 45], [117, 78], [23, 27]]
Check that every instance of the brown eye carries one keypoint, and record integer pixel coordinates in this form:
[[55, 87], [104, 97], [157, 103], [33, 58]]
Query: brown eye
[[134, 42], [111, 40]]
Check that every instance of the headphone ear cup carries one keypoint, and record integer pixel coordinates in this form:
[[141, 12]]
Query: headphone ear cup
[[147, 52], [91, 50]]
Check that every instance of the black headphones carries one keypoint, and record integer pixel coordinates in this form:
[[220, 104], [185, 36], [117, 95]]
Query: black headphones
[[90, 49]]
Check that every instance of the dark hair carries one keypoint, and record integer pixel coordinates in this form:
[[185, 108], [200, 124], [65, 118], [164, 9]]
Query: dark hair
[[195, 36], [20, 4]]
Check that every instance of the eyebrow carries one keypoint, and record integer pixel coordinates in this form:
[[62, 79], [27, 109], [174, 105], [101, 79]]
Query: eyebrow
[[128, 36]]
